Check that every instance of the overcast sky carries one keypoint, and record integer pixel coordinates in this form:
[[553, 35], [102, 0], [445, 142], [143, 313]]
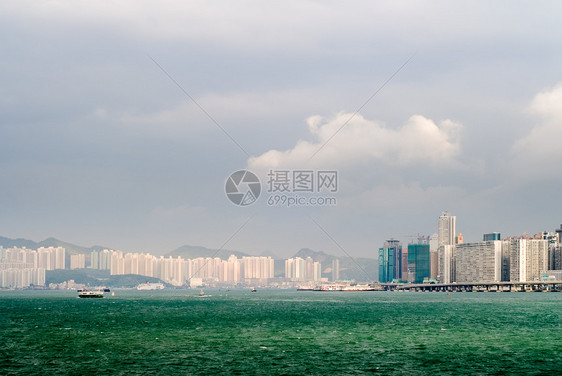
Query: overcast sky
[[121, 120]]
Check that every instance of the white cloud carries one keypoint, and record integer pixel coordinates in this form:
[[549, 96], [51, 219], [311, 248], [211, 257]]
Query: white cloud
[[540, 149], [418, 142]]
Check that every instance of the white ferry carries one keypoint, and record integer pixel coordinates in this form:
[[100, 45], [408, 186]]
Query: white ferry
[[90, 294], [151, 286]]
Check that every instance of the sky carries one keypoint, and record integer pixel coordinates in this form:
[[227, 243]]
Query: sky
[[121, 121]]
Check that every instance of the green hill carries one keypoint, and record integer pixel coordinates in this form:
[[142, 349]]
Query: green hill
[[91, 277]]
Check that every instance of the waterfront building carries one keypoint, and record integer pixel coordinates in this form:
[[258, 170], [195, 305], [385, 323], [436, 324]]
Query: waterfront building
[[18, 276], [19, 268], [418, 262], [528, 257], [482, 262], [390, 261]]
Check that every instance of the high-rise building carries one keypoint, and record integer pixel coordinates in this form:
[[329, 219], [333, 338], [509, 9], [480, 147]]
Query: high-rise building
[[335, 269], [302, 270], [528, 258], [446, 251], [446, 229], [433, 256], [404, 271], [390, 261], [257, 269], [482, 262], [491, 236], [77, 261], [100, 260], [418, 262], [555, 257]]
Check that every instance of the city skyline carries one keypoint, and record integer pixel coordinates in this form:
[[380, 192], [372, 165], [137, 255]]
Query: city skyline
[[439, 258]]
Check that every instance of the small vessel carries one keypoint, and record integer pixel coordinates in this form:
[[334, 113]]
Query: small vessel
[[201, 293], [90, 294], [307, 288], [254, 289], [151, 286]]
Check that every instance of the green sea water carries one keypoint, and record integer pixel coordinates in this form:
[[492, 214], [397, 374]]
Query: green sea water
[[280, 333]]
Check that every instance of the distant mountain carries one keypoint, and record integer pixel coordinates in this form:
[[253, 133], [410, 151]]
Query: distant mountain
[[71, 249], [270, 254], [194, 251], [319, 256], [20, 243]]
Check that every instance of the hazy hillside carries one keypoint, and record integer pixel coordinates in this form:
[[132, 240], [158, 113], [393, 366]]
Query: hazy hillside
[[50, 242]]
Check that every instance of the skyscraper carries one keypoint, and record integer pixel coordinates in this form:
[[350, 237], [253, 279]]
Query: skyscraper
[[446, 252], [446, 229], [390, 261], [335, 269], [527, 259], [433, 256], [418, 262]]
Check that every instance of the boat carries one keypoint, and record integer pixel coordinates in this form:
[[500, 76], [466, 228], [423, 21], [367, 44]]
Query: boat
[[151, 286], [90, 294], [337, 286], [358, 288], [201, 293], [254, 289], [307, 288]]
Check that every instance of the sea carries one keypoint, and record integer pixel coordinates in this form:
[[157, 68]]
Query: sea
[[280, 332]]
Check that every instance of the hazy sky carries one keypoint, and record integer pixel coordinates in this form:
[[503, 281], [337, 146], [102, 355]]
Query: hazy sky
[[100, 146]]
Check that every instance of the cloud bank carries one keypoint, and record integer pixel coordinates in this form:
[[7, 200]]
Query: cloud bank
[[539, 151], [339, 141]]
